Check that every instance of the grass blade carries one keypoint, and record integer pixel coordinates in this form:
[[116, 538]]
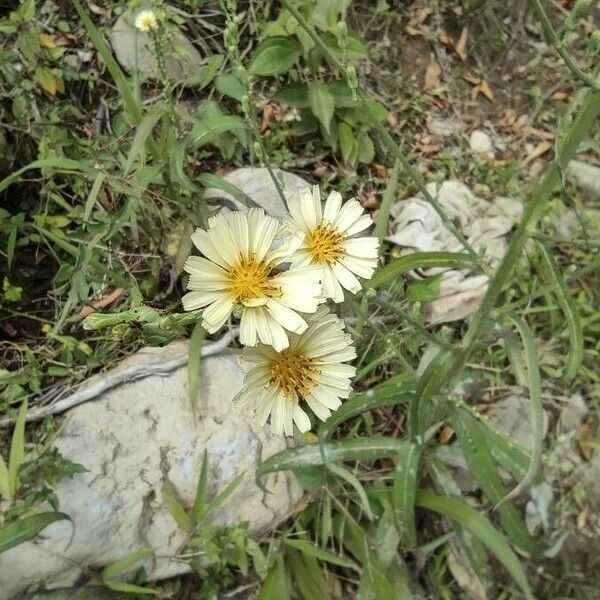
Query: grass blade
[[537, 410], [201, 489], [308, 576], [17, 449], [552, 272], [144, 129], [175, 508], [5, 490], [276, 584], [363, 449], [482, 467], [309, 548], [223, 496], [356, 484], [459, 511], [386, 203], [405, 489], [395, 390], [17, 532], [129, 100], [419, 260], [193, 366], [93, 195]]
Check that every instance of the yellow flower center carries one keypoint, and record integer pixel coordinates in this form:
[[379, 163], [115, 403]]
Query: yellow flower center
[[292, 372], [325, 243], [249, 279]]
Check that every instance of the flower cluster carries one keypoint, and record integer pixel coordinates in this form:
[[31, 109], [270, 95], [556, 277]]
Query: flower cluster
[[275, 277]]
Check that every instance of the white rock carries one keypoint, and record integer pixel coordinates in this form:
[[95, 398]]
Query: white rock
[[481, 143], [257, 184], [416, 227], [134, 50], [585, 176], [130, 439]]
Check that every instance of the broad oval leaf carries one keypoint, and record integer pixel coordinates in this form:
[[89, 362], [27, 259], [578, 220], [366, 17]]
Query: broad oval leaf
[[321, 102], [274, 56]]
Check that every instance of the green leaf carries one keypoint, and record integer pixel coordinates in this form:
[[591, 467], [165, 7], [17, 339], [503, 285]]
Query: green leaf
[[459, 511], [129, 588], [293, 94], [426, 290], [482, 467], [348, 144], [175, 508], [405, 489], [230, 85], [344, 474], [208, 130], [223, 496], [569, 308], [207, 72], [16, 532], [366, 149], [419, 260], [395, 390], [193, 366], [5, 490], [201, 491], [112, 571], [276, 584], [121, 81], [308, 576], [144, 129], [311, 549], [274, 56], [363, 449], [537, 410], [342, 94], [47, 80], [321, 103], [17, 449]]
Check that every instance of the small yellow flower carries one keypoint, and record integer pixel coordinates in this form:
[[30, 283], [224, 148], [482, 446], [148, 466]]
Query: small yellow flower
[[146, 20]]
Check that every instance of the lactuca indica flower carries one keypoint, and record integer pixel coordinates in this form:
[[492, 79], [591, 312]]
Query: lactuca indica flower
[[310, 373], [240, 268], [146, 20], [330, 242]]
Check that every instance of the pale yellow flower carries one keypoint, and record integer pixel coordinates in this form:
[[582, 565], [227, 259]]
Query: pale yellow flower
[[146, 20], [241, 268], [310, 373], [331, 241]]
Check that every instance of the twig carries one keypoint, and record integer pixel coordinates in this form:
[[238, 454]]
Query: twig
[[553, 40], [157, 362]]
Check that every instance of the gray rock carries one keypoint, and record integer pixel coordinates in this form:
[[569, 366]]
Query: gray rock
[[513, 416], [481, 143], [257, 184], [586, 177], [131, 439], [134, 50]]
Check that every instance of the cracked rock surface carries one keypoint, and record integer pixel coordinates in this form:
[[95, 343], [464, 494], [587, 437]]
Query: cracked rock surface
[[130, 439]]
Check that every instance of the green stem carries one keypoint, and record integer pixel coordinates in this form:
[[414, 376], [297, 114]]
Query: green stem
[[387, 138], [553, 40], [480, 321]]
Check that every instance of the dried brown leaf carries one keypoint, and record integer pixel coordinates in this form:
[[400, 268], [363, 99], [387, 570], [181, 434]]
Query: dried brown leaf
[[432, 74]]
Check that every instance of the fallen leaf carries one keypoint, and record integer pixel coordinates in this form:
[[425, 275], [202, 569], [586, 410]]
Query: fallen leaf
[[582, 518], [267, 115], [445, 38], [416, 20], [370, 201], [445, 434], [461, 46], [432, 74], [538, 151], [380, 170], [47, 40], [429, 149], [103, 302], [539, 133], [484, 88], [472, 79], [559, 96]]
